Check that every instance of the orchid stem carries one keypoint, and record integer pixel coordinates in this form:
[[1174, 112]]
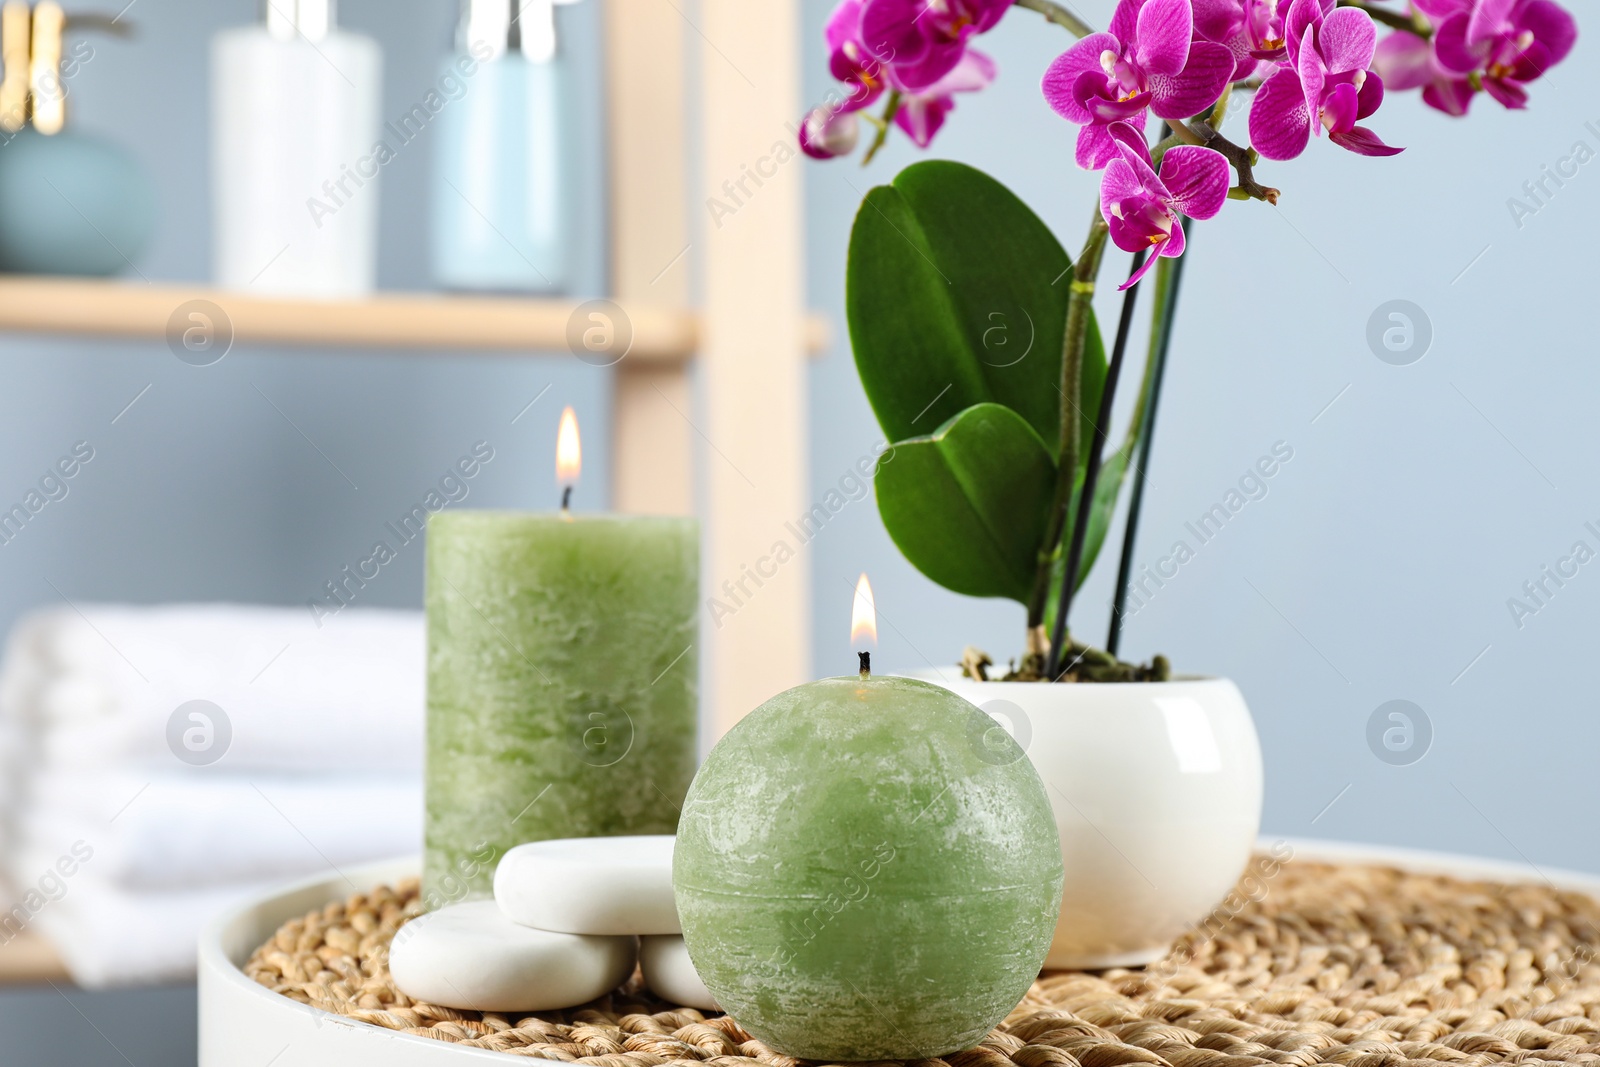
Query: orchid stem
[[1392, 18], [883, 124], [1160, 149], [1080, 303], [1181, 134], [1091, 474], [1202, 133], [1057, 14], [1219, 114]]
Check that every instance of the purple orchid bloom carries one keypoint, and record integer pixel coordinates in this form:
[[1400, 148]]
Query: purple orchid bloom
[[1511, 42], [1326, 84], [1500, 45], [1148, 60], [924, 40], [1251, 29], [1142, 209], [1405, 61], [922, 113], [832, 131], [849, 60], [827, 133]]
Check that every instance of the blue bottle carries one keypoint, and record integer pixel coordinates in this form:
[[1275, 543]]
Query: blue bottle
[[501, 182], [70, 203]]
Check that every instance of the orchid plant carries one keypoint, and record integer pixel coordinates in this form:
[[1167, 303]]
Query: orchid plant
[[1000, 485]]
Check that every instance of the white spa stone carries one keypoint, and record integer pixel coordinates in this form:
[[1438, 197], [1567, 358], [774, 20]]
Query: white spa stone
[[670, 975], [590, 885], [471, 956]]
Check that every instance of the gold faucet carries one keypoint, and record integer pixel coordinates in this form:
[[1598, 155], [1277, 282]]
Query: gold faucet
[[31, 88], [16, 52]]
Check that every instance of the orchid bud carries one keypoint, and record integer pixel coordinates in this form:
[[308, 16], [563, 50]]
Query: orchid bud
[[826, 133]]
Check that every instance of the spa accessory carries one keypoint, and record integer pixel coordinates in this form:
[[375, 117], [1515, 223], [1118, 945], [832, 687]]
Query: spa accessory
[[592, 885], [70, 203], [502, 196], [355, 686], [1175, 766], [562, 679], [1220, 998], [859, 848], [190, 829], [471, 956], [187, 810], [296, 151], [670, 975]]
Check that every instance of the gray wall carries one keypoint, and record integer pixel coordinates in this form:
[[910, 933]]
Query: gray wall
[[1377, 568]]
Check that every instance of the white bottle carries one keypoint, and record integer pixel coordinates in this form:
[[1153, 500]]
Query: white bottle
[[294, 132]]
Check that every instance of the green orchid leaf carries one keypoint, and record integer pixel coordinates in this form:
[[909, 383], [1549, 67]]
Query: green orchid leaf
[[956, 295], [968, 504]]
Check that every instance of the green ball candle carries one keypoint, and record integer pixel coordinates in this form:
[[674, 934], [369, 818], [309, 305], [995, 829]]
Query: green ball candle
[[867, 868]]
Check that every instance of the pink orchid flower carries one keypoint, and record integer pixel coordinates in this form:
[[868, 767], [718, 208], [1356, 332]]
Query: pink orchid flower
[[1142, 209], [1500, 45], [1325, 85], [848, 59], [832, 131], [1405, 61], [1148, 60], [924, 40], [922, 113], [1251, 29]]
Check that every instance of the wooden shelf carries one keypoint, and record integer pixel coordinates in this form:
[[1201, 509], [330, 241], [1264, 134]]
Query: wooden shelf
[[28, 959], [428, 321]]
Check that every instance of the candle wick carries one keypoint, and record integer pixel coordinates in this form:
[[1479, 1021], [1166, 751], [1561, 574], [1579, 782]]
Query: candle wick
[[566, 500], [866, 664]]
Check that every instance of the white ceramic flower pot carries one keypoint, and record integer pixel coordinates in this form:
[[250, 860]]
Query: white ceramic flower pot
[[1157, 794]]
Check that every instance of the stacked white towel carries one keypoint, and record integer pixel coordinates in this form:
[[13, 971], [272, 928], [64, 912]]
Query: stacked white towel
[[120, 844]]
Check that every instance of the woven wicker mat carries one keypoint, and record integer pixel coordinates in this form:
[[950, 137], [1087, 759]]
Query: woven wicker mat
[[1361, 966]]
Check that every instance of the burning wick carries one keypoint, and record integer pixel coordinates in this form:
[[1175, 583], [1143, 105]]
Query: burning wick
[[864, 622], [569, 459]]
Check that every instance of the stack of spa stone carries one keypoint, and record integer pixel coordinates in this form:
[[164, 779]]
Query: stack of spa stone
[[569, 921]]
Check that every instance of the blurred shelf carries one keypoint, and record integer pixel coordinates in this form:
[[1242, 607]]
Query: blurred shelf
[[28, 959], [427, 321]]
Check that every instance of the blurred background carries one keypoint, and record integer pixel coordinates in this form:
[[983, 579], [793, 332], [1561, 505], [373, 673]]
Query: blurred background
[[1379, 565]]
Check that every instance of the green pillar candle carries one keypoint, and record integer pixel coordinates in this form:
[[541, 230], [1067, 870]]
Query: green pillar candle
[[562, 679], [867, 869]]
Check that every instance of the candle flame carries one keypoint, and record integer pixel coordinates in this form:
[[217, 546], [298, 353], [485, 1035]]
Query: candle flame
[[569, 453], [863, 615]]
